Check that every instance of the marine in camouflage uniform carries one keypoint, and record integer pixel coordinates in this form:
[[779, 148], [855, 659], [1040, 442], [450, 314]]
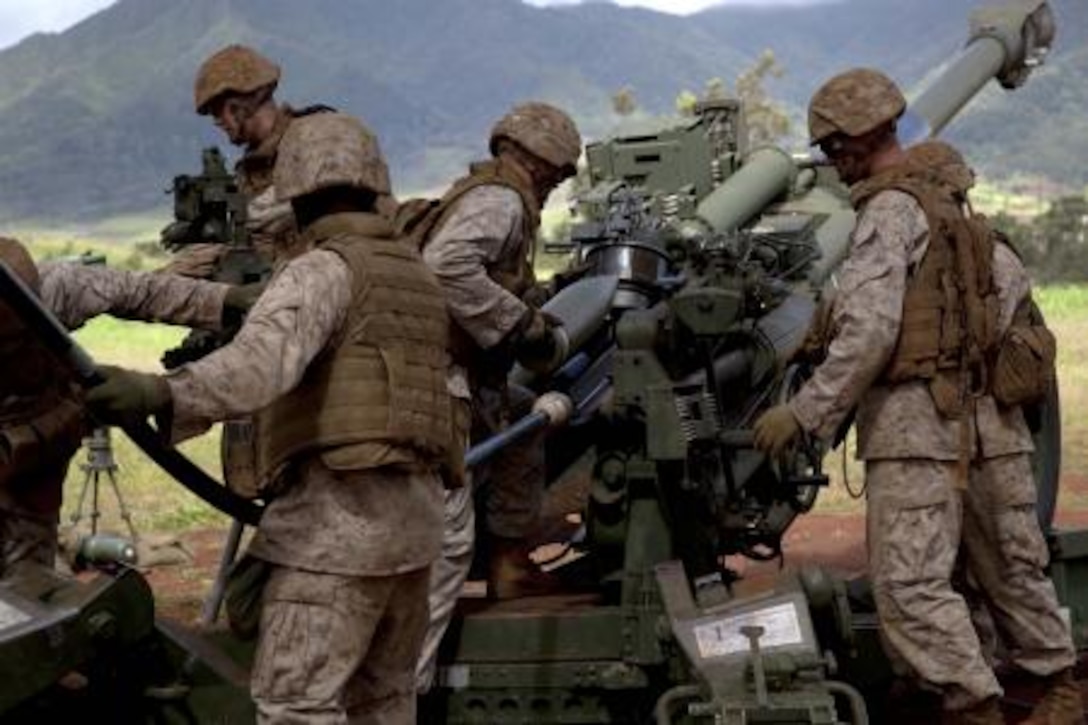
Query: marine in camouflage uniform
[[479, 241], [41, 410], [940, 477], [345, 357], [236, 87]]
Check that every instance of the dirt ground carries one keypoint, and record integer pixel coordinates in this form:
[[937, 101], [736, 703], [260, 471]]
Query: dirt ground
[[835, 541]]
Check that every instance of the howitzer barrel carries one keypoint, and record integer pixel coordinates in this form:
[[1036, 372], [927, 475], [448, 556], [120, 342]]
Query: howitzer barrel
[[767, 173], [1007, 41]]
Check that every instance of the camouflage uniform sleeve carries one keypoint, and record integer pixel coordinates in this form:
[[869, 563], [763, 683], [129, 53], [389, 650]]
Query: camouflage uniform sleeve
[[867, 311], [76, 293], [304, 306], [271, 226], [484, 226]]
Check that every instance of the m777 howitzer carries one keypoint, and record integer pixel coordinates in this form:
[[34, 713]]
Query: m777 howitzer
[[704, 263], [210, 209], [715, 256]]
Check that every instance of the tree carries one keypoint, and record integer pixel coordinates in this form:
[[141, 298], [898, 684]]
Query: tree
[[623, 101], [767, 122], [1053, 244], [685, 102], [715, 90]]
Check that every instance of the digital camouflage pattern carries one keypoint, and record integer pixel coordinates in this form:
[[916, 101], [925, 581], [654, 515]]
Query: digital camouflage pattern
[[42, 437], [77, 292], [233, 69], [917, 519], [374, 528], [890, 238], [338, 649], [511, 485], [853, 103], [485, 229], [321, 520], [918, 512], [289, 324], [328, 149], [543, 130], [378, 394]]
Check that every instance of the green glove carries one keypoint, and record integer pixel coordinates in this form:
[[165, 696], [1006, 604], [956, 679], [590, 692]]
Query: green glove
[[127, 394], [776, 429], [542, 343], [238, 300]]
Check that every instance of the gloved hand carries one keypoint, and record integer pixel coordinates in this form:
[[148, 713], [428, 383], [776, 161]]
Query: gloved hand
[[195, 260], [775, 429], [127, 395], [238, 300], [542, 343]]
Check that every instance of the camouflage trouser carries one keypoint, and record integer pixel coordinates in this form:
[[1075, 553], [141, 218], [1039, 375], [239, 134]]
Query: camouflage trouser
[[339, 649], [511, 485], [448, 575], [26, 540], [917, 522]]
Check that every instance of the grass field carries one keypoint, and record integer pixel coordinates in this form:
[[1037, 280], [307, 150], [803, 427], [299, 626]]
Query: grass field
[[160, 504], [1066, 310]]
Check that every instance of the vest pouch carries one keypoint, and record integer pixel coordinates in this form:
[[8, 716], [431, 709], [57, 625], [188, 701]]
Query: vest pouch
[[46, 439], [947, 392], [417, 415], [918, 348], [1024, 368]]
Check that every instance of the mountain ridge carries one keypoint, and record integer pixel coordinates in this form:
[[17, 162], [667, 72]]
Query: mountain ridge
[[96, 120]]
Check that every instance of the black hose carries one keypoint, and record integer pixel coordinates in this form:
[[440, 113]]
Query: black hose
[[191, 476]]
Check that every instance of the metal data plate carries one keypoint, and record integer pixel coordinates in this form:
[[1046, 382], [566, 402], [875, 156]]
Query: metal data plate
[[716, 634], [722, 637]]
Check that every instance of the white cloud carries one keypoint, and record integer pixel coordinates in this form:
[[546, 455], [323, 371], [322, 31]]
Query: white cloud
[[676, 7], [20, 18]]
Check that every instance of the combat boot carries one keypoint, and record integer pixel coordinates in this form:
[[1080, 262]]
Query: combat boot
[[512, 574], [987, 712], [1062, 702]]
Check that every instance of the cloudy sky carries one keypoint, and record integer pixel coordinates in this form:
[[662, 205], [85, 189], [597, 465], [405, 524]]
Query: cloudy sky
[[20, 18]]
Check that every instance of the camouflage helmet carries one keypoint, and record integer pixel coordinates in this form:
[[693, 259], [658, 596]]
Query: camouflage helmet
[[328, 149], [544, 131], [18, 259], [853, 103], [234, 69]]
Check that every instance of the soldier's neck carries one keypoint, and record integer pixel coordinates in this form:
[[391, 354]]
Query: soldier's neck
[[262, 124], [887, 157]]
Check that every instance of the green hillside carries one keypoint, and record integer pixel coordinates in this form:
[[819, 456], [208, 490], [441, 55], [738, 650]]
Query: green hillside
[[96, 120]]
